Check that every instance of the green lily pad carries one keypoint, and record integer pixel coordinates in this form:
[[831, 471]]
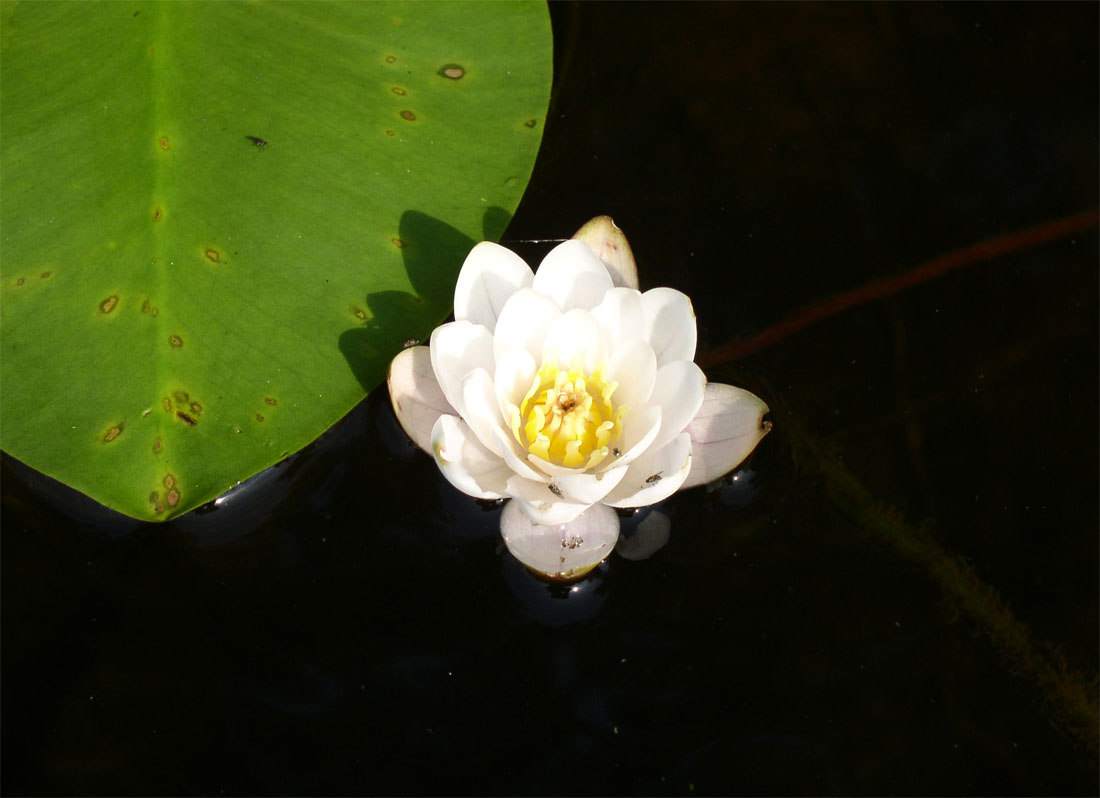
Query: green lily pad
[[220, 221]]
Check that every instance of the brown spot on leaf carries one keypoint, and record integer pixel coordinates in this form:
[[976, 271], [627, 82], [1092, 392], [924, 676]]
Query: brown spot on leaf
[[156, 214], [175, 341], [529, 123], [46, 275], [271, 400], [173, 498], [398, 91], [213, 255], [167, 405], [159, 508], [145, 306], [196, 408], [154, 497], [164, 142], [153, 312], [108, 304], [452, 71], [408, 115], [181, 396], [259, 417], [390, 59], [397, 242], [186, 419], [157, 446], [391, 132], [20, 281], [169, 480], [112, 433]]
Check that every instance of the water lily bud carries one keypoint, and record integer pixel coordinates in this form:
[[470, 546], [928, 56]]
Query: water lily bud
[[609, 243]]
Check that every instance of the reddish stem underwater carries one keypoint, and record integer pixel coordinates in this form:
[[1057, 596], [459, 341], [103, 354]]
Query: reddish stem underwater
[[877, 289]]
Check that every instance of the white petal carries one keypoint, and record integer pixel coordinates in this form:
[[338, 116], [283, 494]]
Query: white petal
[[506, 444], [609, 244], [679, 394], [622, 316], [563, 551], [417, 398], [524, 322], [588, 488], [514, 374], [655, 475], [724, 432], [489, 275], [541, 504], [672, 332], [639, 432], [467, 464], [576, 335], [634, 366], [478, 406], [572, 276], [457, 349]]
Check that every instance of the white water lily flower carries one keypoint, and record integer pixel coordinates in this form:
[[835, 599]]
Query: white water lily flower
[[570, 392]]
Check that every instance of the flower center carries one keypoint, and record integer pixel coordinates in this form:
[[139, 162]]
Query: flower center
[[568, 417]]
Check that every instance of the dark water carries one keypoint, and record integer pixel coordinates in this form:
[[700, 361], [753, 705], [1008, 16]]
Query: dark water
[[897, 596]]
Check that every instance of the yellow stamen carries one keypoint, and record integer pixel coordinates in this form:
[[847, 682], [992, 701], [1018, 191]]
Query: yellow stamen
[[568, 416]]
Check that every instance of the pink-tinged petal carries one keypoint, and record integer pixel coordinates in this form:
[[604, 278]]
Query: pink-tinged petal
[[672, 332], [609, 244], [561, 551], [541, 504], [728, 426], [418, 401], [634, 366], [575, 336], [523, 323], [490, 274], [679, 393], [457, 349], [622, 316], [655, 475], [572, 276], [467, 464]]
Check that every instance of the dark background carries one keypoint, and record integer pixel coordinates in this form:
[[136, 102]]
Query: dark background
[[844, 618]]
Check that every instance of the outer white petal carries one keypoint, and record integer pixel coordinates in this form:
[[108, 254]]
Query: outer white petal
[[467, 464], [679, 394], [609, 244], [634, 366], [418, 401], [655, 475], [575, 335], [489, 275], [572, 276], [564, 551], [672, 332], [524, 322], [724, 432], [622, 316], [457, 349], [541, 504]]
